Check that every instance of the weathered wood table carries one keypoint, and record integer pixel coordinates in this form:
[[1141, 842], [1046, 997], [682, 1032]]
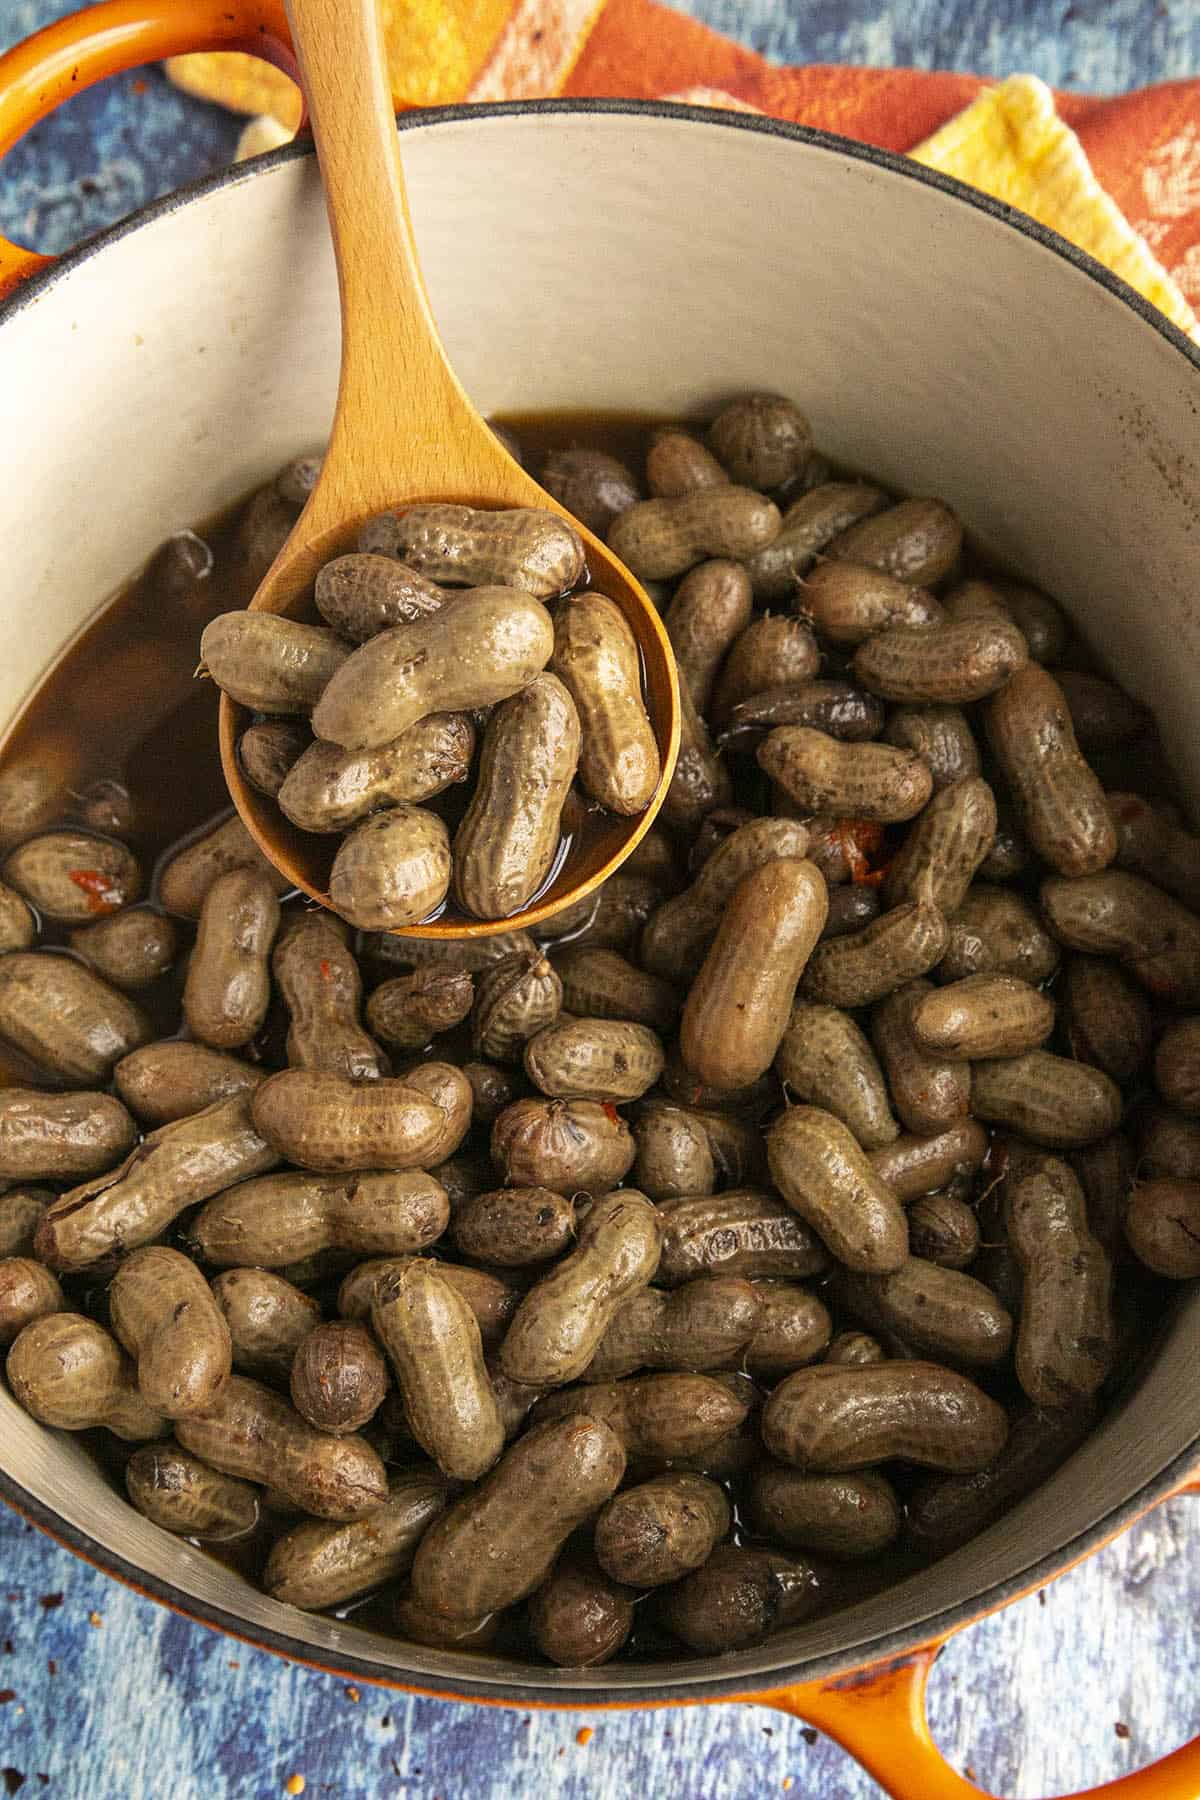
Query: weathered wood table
[[104, 1696]]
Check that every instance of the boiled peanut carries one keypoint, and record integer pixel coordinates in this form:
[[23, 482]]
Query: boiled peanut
[[433, 1343], [175, 1167], [60, 1137], [497, 1543], [920, 1165], [74, 875], [837, 1515], [1102, 716], [592, 485], [946, 1510], [488, 644], [1106, 1173], [164, 1315], [318, 1565], [562, 1319], [420, 1626], [702, 1325], [228, 987], [515, 999], [982, 1016], [180, 1494], [1063, 810], [131, 949], [673, 1153], [280, 1219], [268, 1319], [837, 708], [774, 650], [1009, 855], [853, 1348], [33, 794], [808, 525], [188, 873], [939, 1312], [364, 593], [1177, 1066], [1151, 844], [1162, 1225], [328, 789], [507, 843], [943, 1229], [825, 1177], [738, 1598], [929, 1091], [1040, 622], [895, 948], [338, 1377], [579, 1617], [608, 1060], [940, 735], [736, 1144], [835, 1418], [18, 927], [1048, 1099], [266, 752], [250, 1432], [661, 1530], [655, 1415], [492, 1298], [700, 782], [679, 933], [1065, 1339], [658, 539], [70, 1373], [392, 870], [678, 463], [945, 848], [514, 1226], [596, 658], [532, 551], [602, 984], [269, 663], [916, 540], [794, 1327], [850, 602], [27, 1292], [994, 932], [950, 663], [1170, 1145], [680, 1084], [740, 1232], [1115, 914], [824, 1058], [571, 1146], [21, 1212], [174, 1079], [712, 606], [850, 909], [65, 1018], [737, 1009], [762, 440], [413, 1009], [1107, 1017], [321, 987], [492, 1089], [863, 781]]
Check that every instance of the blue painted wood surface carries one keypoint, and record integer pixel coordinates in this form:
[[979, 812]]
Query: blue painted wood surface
[[104, 1696]]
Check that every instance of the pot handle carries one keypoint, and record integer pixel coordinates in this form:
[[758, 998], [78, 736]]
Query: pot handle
[[76, 52], [878, 1715]]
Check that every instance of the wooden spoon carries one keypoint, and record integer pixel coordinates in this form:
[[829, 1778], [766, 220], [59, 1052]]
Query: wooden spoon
[[405, 431]]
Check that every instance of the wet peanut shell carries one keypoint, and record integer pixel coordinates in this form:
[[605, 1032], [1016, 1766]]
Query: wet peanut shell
[[252, 1433], [1121, 915], [762, 440], [392, 870], [1050, 1100], [835, 1418], [995, 932], [524, 548], [943, 1229], [492, 1298], [897, 947], [1153, 845], [602, 984], [338, 1377], [513, 1227], [1060, 801], [131, 949], [267, 751], [596, 658], [678, 934], [848, 602], [269, 663], [794, 1328], [21, 1210], [493, 1089], [60, 1137], [939, 1312], [1162, 1226], [1040, 622], [1107, 1018], [673, 1153], [774, 650], [317, 1565], [661, 1530], [181, 1494], [705, 1324], [843, 1516], [325, 1123], [824, 1059], [941, 737], [739, 1597], [700, 783], [658, 539], [329, 789], [853, 1349], [861, 781], [507, 842], [592, 485], [929, 1091], [18, 927], [1170, 1145], [825, 1177], [982, 1016], [712, 606], [740, 1232], [171, 1080], [409, 1011], [65, 1018], [1177, 1066], [678, 463], [946, 1510], [837, 708], [28, 1291], [67, 1371], [607, 1060], [268, 1319], [917, 541], [816, 519], [74, 876], [321, 987], [514, 999], [281, 1219], [497, 1543], [163, 1313], [364, 593], [228, 986], [187, 875], [654, 1415], [945, 848], [571, 1146], [579, 1618], [1066, 1340]]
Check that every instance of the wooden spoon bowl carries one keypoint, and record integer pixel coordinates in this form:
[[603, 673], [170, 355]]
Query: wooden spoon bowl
[[405, 432]]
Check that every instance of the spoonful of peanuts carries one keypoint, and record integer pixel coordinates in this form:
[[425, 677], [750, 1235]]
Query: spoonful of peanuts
[[493, 701]]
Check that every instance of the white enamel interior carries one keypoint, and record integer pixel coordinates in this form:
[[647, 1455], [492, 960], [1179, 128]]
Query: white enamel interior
[[639, 262]]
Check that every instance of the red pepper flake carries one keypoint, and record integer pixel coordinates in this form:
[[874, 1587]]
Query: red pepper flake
[[353, 1695], [104, 895], [49, 1601], [51, 1666], [584, 1735], [808, 1733], [139, 87], [611, 1112], [1122, 1730], [7, 1694], [858, 840], [326, 969], [13, 1780]]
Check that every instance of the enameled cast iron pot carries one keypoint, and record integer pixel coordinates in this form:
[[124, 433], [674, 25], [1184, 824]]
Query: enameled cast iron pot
[[605, 255]]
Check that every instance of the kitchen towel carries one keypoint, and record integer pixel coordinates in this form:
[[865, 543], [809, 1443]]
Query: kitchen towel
[[1119, 177]]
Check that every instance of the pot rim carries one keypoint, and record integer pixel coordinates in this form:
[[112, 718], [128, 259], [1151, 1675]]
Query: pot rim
[[891, 1644]]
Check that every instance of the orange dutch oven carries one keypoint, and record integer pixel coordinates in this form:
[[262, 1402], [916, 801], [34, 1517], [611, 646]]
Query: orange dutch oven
[[611, 255]]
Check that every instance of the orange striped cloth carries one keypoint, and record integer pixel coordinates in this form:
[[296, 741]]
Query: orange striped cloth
[[1119, 177]]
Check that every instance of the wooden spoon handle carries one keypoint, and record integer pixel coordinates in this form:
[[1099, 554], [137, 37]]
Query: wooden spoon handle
[[394, 372]]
